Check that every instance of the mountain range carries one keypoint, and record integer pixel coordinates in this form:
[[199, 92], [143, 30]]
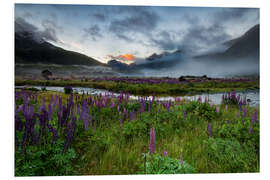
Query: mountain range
[[31, 48], [243, 47]]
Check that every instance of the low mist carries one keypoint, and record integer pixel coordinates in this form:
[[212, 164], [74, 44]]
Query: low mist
[[198, 67]]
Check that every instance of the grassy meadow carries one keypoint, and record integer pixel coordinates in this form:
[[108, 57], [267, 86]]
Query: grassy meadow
[[63, 134]]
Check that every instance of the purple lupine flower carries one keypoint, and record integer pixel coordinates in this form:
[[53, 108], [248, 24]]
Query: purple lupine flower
[[209, 130], [78, 109], [112, 104], [152, 141], [233, 96], [217, 109], [84, 114], [60, 102], [132, 115], [121, 122], [51, 100], [226, 107], [69, 136], [254, 117], [54, 132], [240, 105], [200, 99], [223, 98], [185, 113], [238, 98], [43, 104], [181, 159], [20, 108], [18, 122], [244, 113], [165, 153], [245, 100], [239, 114], [49, 111], [205, 99], [54, 103], [250, 129], [72, 111], [126, 111]]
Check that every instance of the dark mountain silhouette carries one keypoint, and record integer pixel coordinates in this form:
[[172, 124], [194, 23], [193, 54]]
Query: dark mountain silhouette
[[30, 48], [246, 46]]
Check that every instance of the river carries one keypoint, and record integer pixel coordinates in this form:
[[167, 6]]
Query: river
[[253, 97]]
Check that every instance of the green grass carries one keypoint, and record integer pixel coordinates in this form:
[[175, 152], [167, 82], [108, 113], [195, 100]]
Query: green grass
[[163, 89], [114, 149]]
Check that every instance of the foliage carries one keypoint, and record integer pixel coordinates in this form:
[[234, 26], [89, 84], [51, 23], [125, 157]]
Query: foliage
[[48, 160], [68, 89], [230, 154], [109, 134], [157, 164]]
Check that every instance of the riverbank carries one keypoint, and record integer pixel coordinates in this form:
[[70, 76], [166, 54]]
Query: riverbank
[[157, 87]]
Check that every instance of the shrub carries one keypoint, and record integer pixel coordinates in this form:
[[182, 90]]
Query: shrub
[[43, 89], [68, 89], [48, 160], [230, 154], [157, 164]]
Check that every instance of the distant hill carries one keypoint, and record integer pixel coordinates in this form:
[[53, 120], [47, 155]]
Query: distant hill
[[29, 48], [246, 45], [154, 61], [243, 47]]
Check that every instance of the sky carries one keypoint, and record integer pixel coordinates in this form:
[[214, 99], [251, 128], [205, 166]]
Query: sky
[[130, 33]]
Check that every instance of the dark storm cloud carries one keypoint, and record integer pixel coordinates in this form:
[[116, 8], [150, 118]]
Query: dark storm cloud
[[197, 35], [144, 21], [100, 17], [165, 40], [207, 35], [93, 32], [229, 14], [136, 20], [49, 32], [53, 15], [124, 37], [22, 25], [28, 15]]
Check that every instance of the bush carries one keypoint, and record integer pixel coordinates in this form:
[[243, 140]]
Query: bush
[[240, 132], [43, 89], [68, 89], [157, 164], [41, 161], [230, 155]]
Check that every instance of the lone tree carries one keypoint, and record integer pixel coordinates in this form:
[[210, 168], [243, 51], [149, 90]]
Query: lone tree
[[46, 73]]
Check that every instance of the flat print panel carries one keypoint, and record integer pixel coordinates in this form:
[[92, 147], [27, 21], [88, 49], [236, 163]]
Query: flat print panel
[[117, 90]]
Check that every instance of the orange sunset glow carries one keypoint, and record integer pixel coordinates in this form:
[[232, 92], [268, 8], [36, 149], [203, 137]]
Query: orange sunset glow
[[129, 57]]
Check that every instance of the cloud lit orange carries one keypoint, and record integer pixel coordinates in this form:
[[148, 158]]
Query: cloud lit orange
[[129, 57]]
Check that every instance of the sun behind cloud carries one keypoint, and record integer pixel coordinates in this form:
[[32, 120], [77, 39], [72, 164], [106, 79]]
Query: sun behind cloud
[[127, 56]]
